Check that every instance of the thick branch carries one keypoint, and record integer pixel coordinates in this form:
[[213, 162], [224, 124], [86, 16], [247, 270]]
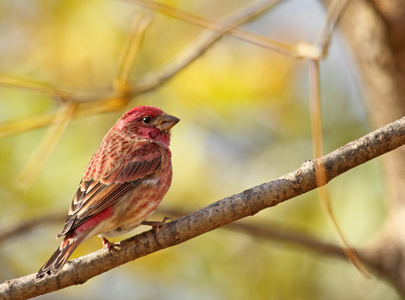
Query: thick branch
[[220, 213]]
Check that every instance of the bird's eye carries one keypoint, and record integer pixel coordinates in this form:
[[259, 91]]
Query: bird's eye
[[147, 120]]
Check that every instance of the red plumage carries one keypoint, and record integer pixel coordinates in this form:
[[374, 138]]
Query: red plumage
[[123, 184]]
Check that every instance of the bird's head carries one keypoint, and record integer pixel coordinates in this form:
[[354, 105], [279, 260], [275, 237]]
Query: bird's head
[[147, 122]]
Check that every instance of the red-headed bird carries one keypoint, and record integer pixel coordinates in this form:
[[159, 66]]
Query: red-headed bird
[[123, 184]]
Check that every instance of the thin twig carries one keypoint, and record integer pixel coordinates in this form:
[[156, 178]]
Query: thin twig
[[47, 145], [36, 87], [103, 104], [207, 39], [333, 14], [130, 52], [238, 33], [26, 226], [319, 49], [269, 231]]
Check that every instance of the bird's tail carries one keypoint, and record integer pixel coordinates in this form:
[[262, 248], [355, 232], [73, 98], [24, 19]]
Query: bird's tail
[[60, 257]]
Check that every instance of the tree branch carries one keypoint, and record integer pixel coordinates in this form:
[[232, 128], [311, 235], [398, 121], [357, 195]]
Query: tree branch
[[220, 213]]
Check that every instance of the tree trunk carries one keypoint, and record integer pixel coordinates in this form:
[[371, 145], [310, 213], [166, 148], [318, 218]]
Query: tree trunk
[[375, 32]]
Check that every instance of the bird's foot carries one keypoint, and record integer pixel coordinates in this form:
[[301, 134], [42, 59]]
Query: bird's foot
[[108, 245], [155, 226]]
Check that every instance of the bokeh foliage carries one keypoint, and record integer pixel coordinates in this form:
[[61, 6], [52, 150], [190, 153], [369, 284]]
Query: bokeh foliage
[[244, 120]]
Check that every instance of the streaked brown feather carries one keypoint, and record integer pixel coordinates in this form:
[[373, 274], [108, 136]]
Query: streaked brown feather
[[138, 160], [60, 257]]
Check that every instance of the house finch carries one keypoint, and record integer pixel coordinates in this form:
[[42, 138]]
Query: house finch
[[123, 184]]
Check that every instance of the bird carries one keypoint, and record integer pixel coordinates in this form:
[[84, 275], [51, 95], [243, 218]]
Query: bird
[[123, 184]]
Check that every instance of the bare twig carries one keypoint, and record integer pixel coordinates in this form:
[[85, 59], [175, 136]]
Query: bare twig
[[208, 38], [268, 231], [319, 49], [47, 145], [272, 231], [333, 14], [130, 52], [98, 105], [36, 87], [220, 213], [27, 226], [240, 34]]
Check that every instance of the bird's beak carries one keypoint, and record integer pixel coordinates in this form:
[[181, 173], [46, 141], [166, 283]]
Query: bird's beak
[[166, 122]]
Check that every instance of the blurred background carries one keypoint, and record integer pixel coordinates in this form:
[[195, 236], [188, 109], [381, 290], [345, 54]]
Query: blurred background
[[244, 121]]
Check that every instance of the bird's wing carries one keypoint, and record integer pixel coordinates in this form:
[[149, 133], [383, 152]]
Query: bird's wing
[[109, 175]]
